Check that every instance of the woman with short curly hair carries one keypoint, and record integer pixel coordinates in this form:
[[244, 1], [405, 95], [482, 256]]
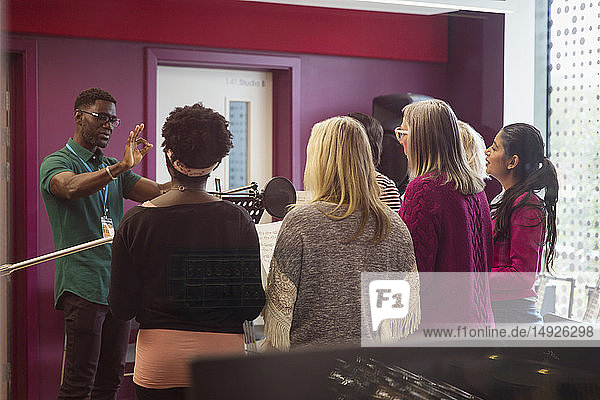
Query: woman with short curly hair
[[167, 250]]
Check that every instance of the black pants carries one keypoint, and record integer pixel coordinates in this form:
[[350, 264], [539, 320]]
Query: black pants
[[178, 393], [96, 349]]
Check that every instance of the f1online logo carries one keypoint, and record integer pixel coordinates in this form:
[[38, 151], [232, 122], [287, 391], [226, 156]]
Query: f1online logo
[[388, 300]]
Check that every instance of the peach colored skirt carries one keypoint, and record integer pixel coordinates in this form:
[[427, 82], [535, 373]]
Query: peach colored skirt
[[162, 355]]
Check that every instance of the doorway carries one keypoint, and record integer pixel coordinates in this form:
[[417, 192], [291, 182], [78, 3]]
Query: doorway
[[244, 98], [21, 334], [286, 149]]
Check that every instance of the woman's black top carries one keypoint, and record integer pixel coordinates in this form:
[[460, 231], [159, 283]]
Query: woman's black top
[[188, 267]]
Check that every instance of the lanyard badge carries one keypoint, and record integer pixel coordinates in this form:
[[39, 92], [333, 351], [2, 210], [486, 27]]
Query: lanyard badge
[[108, 228]]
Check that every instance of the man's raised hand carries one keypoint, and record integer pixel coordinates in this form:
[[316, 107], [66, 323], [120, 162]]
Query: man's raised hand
[[133, 152]]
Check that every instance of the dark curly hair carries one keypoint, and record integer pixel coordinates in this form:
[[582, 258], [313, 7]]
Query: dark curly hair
[[197, 136], [89, 96]]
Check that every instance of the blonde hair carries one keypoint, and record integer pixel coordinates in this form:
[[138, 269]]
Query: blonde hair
[[474, 147], [434, 145], [339, 169]]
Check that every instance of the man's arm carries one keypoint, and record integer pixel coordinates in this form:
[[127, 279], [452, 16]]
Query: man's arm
[[71, 186], [146, 189]]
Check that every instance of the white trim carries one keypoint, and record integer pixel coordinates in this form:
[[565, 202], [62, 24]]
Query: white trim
[[423, 7], [519, 62]]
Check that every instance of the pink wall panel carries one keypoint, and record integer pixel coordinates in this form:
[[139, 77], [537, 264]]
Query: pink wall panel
[[238, 25]]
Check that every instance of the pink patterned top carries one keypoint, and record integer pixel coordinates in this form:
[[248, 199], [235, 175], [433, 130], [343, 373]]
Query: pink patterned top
[[451, 232]]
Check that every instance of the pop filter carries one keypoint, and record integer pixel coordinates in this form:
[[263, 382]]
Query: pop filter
[[278, 195]]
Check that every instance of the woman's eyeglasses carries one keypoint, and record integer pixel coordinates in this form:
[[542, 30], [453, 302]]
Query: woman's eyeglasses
[[400, 132], [104, 118]]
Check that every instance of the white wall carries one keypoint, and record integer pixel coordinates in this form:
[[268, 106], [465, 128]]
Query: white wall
[[519, 62]]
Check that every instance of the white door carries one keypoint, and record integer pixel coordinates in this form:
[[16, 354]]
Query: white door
[[244, 98]]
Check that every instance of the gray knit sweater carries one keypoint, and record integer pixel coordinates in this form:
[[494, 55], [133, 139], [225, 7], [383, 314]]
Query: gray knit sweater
[[326, 273]]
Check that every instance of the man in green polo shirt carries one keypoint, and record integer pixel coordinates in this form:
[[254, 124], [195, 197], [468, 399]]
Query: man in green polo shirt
[[83, 191]]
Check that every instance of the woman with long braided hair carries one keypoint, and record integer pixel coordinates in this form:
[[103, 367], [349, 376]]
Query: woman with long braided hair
[[524, 222]]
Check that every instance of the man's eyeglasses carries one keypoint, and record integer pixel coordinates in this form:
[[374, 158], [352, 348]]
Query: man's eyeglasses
[[400, 132], [104, 118]]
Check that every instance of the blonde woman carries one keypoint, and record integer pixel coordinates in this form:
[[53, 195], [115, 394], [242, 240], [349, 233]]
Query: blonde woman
[[314, 284], [474, 147], [448, 216]]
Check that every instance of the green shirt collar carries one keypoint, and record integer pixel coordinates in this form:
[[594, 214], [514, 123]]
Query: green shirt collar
[[84, 153]]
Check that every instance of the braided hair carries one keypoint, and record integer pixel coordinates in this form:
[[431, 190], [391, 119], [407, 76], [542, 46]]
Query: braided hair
[[533, 173]]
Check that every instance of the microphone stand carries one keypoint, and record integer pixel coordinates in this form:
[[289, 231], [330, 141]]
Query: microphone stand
[[252, 189]]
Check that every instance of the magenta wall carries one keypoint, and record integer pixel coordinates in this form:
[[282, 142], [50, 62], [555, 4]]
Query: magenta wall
[[336, 86], [330, 85], [238, 24]]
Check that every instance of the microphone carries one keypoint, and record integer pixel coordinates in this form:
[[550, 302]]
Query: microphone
[[277, 195]]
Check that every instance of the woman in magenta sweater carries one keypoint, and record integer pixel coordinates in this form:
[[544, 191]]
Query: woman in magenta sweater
[[524, 224], [448, 216]]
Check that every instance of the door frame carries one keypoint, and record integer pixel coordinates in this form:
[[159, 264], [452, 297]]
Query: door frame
[[287, 150], [25, 345]]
